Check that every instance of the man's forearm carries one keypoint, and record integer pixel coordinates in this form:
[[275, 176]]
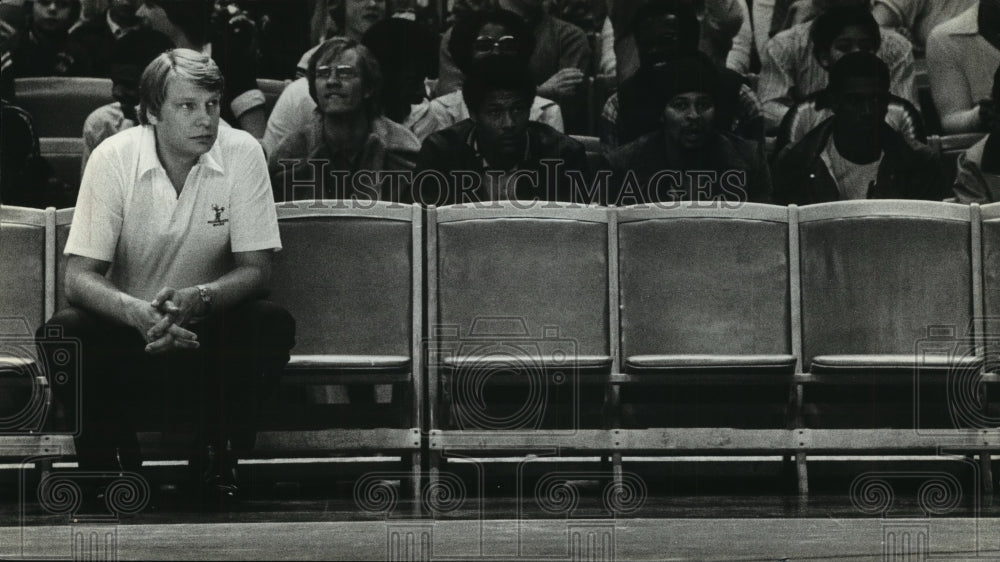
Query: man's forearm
[[94, 292], [242, 283]]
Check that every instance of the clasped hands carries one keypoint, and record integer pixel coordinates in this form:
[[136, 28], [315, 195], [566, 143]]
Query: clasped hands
[[163, 321]]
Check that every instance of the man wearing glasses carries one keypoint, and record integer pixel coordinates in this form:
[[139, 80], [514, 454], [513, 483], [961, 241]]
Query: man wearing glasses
[[340, 152], [478, 35]]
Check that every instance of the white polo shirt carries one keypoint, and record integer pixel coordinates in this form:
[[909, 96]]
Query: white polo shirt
[[129, 214]]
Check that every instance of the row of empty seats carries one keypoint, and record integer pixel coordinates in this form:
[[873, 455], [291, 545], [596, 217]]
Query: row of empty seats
[[592, 308]]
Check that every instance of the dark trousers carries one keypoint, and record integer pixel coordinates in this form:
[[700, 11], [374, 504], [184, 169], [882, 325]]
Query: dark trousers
[[242, 353]]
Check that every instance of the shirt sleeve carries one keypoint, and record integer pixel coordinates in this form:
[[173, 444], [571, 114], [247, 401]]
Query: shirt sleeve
[[899, 58], [255, 221], [100, 208], [776, 82], [739, 55]]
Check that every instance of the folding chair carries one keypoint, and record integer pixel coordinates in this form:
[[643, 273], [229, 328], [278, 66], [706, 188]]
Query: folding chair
[[351, 277], [888, 293], [518, 297], [705, 315], [26, 301], [272, 91], [60, 105], [64, 154]]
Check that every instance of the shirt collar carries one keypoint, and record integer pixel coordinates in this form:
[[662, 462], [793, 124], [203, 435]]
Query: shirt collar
[[966, 23], [148, 160], [473, 143]]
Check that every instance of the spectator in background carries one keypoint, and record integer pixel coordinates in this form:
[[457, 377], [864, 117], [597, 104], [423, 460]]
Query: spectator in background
[[26, 179], [719, 22], [560, 61], [665, 30], [978, 179], [482, 35], [804, 116], [688, 158], [129, 57], [42, 46], [795, 61], [346, 18], [406, 53], [98, 34], [962, 55], [499, 149], [855, 154], [348, 132], [228, 36], [915, 19]]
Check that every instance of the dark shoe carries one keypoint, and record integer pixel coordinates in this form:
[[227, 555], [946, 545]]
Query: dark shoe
[[218, 485]]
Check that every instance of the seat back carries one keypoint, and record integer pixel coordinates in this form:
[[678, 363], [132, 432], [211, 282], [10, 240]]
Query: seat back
[[65, 155], [543, 270], [877, 275], [272, 91], [60, 105], [991, 277], [348, 276], [696, 280], [24, 274], [64, 218]]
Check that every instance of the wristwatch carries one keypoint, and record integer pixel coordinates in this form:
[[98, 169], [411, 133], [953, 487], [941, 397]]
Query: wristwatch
[[206, 297]]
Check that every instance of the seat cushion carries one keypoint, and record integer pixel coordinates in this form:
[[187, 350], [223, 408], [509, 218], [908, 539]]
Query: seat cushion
[[901, 363], [350, 363], [710, 364], [584, 364]]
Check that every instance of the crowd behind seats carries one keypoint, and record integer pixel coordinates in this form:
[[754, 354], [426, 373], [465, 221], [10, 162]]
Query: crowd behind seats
[[784, 102], [791, 43]]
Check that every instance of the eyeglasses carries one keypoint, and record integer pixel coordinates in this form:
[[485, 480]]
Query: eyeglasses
[[341, 71], [506, 45]]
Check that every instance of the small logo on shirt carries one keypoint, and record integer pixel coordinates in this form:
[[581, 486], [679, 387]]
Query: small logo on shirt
[[218, 221]]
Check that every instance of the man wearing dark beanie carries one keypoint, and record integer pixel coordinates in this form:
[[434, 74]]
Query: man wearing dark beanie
[[664, 30], [688, 158], [855, 154]]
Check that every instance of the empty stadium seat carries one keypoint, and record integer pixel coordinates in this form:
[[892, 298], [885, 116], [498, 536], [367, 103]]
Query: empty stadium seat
[[351, 278], [60, 105], [26, 282], [518, 296], [65, 155], [272, 91], [704, 299], [64, 218]]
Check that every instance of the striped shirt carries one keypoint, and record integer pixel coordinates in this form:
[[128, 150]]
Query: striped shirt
[[790, 72]]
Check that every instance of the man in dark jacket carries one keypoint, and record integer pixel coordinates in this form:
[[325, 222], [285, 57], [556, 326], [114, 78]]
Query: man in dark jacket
[[498, 154], [688, 158], [855, 154]]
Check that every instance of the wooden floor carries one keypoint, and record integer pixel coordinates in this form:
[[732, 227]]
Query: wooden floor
[[627, 539], [690, 511]]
